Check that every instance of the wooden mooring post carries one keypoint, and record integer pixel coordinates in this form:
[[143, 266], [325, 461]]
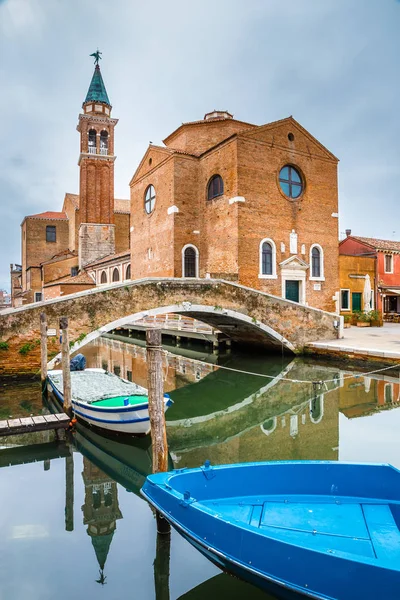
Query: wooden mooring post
[[67, 404], [69, 491], [162, 567], [156, 410], [43, 349]]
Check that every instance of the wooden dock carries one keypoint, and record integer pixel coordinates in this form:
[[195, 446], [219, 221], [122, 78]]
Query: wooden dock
[[31, 424]]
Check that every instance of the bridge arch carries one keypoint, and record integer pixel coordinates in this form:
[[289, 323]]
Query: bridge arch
[[245, 328]]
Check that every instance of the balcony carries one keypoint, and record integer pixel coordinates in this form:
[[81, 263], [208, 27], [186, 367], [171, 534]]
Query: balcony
[[104, 151], [92, 149]]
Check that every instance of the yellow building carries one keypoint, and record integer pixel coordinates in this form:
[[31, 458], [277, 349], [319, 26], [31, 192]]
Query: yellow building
[[352, 275]]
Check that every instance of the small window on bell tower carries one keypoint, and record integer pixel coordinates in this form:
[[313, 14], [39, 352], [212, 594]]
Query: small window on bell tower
[[104, 142], [92, 141]]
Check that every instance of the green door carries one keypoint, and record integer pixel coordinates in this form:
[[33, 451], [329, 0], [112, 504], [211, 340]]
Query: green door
[[356, 301], [292, 290]]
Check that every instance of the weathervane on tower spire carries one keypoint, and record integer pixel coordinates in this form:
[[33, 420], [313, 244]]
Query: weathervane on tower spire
[[97, 56]]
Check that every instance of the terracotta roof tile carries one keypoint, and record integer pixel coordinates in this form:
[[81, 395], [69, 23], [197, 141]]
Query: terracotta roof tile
[[60, 256], [48, 215], [82, 277], [122, 206], [74, 199], [378, 244], [109, 258], [207, 122]]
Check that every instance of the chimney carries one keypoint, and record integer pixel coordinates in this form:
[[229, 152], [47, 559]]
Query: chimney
[[348, 232]]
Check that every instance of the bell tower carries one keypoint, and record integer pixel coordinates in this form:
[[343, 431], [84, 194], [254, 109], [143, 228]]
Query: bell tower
[[96, 178]]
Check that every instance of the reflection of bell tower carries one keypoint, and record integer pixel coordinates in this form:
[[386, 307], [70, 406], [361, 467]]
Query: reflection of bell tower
[[100, 511], [96, 162]]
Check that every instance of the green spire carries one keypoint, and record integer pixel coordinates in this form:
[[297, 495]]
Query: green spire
[[101, 545], [97, 89]]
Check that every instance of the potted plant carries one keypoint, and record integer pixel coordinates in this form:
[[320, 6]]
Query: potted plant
[[376, 318], [347, 321], [363, 319]]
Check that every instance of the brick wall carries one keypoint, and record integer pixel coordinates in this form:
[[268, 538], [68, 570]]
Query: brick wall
[[196, 138], [96, 190], [219, 223], [35, 249], [54, 291], [122, 224], [268, 213], [58, 269], [152, 237], [95, 241]]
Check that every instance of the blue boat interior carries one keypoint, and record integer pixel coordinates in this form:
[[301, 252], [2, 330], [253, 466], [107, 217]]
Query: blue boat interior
[[368, 530], [334, 508]]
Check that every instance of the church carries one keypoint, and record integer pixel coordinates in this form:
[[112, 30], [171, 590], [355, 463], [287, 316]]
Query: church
[[221, 198]]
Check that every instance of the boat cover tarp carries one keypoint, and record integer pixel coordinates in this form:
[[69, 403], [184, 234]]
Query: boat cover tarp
[[89, 386]]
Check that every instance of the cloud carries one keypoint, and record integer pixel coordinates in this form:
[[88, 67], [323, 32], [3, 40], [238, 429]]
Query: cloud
[[332, 65]]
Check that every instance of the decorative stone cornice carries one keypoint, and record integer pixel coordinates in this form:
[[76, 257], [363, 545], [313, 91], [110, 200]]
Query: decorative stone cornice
[[295, 263], [97, 119], [106, 157]]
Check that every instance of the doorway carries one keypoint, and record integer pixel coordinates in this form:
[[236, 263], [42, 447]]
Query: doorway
[[356, 298], [190, 261], [292, 290]]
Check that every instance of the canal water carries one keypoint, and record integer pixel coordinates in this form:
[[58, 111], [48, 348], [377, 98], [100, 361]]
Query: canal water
[[72, 522]]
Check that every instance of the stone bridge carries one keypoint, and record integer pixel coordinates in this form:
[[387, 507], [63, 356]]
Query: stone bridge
[[244, 314]]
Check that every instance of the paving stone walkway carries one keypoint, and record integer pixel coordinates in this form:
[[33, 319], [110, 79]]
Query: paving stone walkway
[[382, 342]]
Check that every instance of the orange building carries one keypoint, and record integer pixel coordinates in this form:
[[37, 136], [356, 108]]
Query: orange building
[[352, 274]]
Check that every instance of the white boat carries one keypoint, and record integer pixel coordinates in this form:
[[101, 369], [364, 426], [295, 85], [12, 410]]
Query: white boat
[[105, 400]]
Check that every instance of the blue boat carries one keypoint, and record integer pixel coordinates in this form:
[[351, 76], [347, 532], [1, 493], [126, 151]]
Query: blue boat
[[325, 530]]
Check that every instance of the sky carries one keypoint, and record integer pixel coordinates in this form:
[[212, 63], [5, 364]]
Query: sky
[[332, 64]]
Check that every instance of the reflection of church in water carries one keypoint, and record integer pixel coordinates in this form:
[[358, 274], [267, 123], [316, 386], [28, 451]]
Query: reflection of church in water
[[100, 511]]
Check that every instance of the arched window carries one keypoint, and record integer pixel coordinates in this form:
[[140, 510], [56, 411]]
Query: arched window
[[149, 199], [267, 259], [92, 141], [108, 498], [269, 426], [103, 278], [96, 498], [128, 272], [290, 181], [104, 142], [317, 262], [215, 187], [317, 409], [115, 275], [190, 261]]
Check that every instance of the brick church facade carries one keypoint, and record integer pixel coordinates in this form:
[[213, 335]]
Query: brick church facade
[[60, 250], [257, 205]]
